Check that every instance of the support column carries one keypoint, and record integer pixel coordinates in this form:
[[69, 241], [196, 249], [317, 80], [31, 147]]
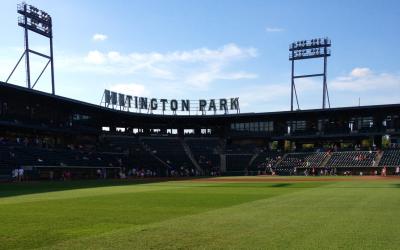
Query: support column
[[28, 73], [292, 85], [324, 89], [53, 91]]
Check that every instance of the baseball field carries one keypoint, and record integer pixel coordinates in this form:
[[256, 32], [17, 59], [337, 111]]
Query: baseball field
[[225, 212]]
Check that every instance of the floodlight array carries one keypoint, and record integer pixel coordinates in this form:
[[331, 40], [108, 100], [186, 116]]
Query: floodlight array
[[314, 48], [34, 19]]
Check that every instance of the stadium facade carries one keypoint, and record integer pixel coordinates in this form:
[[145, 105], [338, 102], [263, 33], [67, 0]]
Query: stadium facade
[[51, 136], [44, 133]]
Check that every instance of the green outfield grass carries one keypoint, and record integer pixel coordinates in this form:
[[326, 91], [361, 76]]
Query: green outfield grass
[[344, 213]]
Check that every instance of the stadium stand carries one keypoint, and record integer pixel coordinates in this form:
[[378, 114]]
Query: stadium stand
[[292, 160], [236, 164], [43, 132], [139, 157], [314, 159], [206, 152], [238, 157], [390, 158], [292, 163], [170, 150], [352, 159], [264, 161]]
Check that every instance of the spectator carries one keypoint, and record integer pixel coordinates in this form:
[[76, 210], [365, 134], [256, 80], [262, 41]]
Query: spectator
[[20, 173], [383, 173], [104, 171], [14, 174], [122, 175], [98, 173]]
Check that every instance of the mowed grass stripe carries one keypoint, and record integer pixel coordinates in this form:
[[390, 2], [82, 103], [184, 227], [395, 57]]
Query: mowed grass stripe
[[10, 197], [335, 216], [39, 220]]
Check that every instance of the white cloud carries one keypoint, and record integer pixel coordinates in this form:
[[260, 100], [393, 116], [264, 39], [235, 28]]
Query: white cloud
[[360, 72], [226, 53], [364, 79], [99, 37], [274, 29], [276, 96], [152, 74], [237, 75], [203, 79], [265, 93], [133, 89], [95, 57], [114, 56], [198, 67]]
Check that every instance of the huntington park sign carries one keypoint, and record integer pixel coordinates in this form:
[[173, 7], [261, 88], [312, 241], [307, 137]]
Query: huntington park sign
[[169, 106]]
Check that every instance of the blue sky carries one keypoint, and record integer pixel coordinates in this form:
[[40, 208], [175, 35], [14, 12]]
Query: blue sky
[[212, 49]]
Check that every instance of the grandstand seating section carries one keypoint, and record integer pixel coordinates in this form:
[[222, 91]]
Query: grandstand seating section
[[238, 157], [314, 159], [264, 158], [351, 159], [299, 160], [163, 154], [205, 151], [170, 150], [390, 158], [237, 163], [13, 155], [293, 160], [139, 156]]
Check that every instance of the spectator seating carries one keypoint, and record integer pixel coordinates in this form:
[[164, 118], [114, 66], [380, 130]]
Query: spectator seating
[[314, 159], [162, 154], [35, 156], [237, 162], [140, 157], [238, 157], [390, 158], [300, 160], [170, 150], [205, 151], [293, 160], [263, 159], [351, 159]]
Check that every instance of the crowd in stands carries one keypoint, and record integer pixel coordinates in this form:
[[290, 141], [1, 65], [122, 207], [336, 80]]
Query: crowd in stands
[[144, 157], [206, 152], [390, 157], [331, 161], [265, 162], [352, 159], [169, 150]]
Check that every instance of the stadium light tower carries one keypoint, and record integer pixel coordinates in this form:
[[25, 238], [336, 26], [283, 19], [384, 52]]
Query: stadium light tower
[[310, 49], [38, 21]]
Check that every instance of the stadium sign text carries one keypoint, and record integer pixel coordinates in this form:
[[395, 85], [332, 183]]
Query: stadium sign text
[[173, 106]]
